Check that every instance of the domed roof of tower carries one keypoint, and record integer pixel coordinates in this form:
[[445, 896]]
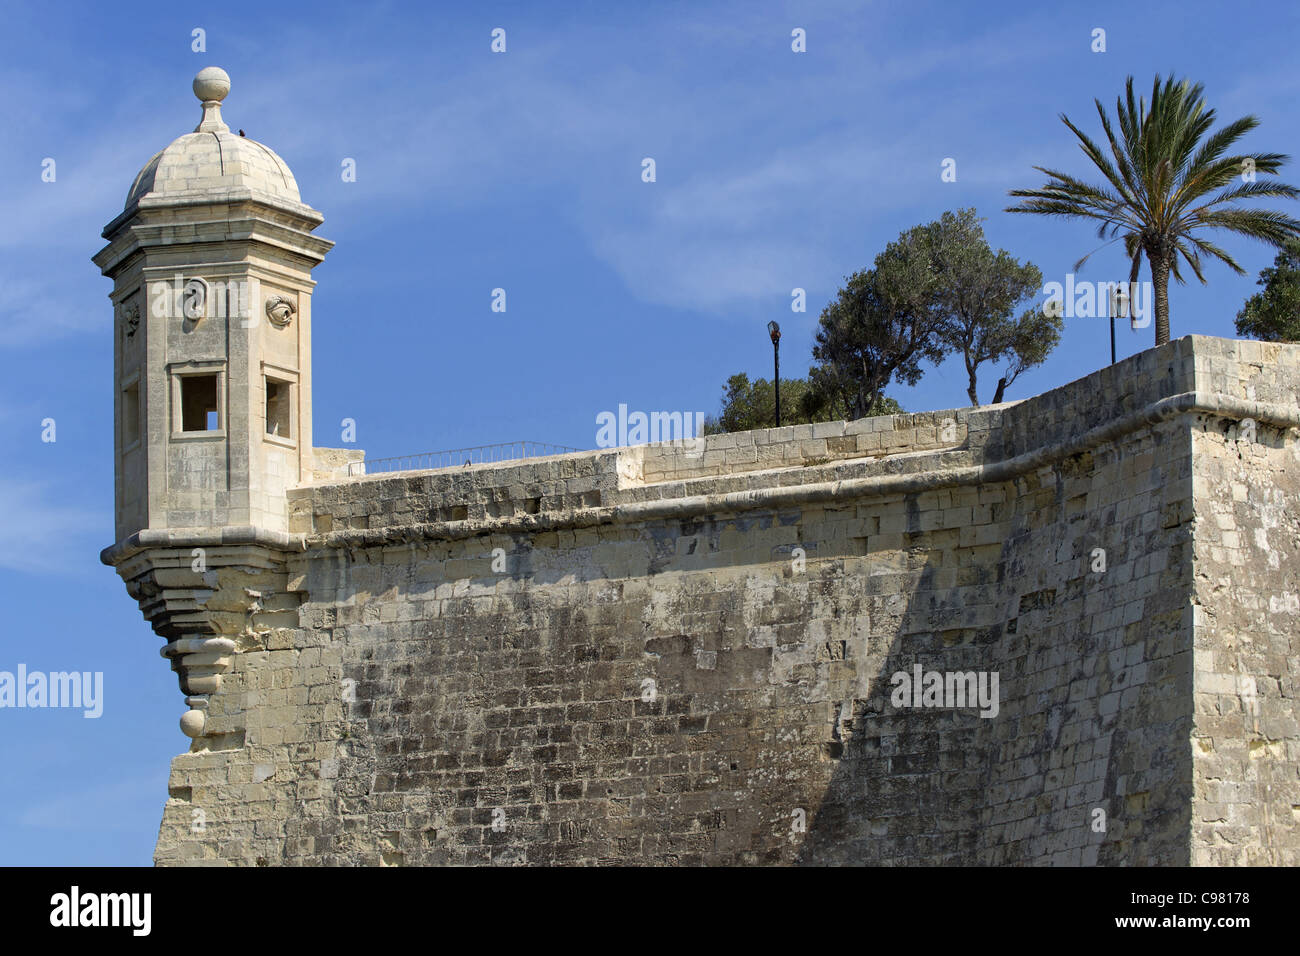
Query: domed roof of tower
[[213, 160]]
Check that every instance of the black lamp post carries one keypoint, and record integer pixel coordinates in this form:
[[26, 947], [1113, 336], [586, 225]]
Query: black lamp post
[[774, 331], [1119, 306]]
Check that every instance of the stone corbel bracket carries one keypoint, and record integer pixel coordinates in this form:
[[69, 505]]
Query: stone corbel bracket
[[201, 589], [199, 662]]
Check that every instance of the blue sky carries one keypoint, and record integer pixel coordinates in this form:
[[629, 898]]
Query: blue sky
[[522, 171]]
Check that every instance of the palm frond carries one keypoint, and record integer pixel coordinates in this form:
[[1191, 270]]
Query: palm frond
[[1191, 256], [1259, 189], [1122, 162], [1210, 249], [1267, 224], [1173, 269], [1093, 152], [1218, 142]]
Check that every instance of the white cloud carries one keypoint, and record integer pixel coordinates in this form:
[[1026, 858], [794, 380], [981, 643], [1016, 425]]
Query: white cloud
[[43, 536]]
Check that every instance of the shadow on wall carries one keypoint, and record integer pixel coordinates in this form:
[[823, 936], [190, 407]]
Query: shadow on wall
[[1067, 770], [511, 727], [907, 782]]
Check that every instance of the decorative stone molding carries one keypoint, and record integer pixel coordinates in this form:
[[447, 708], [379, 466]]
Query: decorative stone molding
[[280, 310], [194, 300], [130, 320]]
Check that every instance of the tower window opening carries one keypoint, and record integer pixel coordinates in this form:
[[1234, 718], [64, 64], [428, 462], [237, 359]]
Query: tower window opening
[[279, 420], [199, 410], [130, 414]]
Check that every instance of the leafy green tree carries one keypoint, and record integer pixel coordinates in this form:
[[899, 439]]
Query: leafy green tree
[[747, 405], [880, 327], [1165, 180], [1025, 343], [1274, 314], [939, 288], [978, 291]]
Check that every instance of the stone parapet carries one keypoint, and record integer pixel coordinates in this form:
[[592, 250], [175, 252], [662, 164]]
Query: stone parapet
[[801, 464]]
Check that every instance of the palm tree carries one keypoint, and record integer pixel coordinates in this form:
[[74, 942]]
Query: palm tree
[[1165, 183]]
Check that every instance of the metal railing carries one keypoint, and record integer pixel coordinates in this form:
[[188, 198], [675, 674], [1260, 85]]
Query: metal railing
[[459, 457]]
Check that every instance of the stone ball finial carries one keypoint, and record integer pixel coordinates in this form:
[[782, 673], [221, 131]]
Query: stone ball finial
[[192, 722], [211, 83]]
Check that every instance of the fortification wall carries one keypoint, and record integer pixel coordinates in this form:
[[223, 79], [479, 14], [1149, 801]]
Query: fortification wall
[[650, 655]]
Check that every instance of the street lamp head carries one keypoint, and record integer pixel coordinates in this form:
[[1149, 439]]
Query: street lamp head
[[774, 331], [1119, 301]]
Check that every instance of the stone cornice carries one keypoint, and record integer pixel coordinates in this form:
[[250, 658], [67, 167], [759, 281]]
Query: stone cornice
[[276, 206], [235, 218], [927, 472], [187, 538]]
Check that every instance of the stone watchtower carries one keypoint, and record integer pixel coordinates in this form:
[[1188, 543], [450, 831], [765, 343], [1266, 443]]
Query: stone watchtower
[[211, 263]]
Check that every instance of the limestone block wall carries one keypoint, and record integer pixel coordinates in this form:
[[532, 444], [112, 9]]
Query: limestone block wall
[[329, 464], [1246, 736], [198, 491], [633, 656], [792, 445]]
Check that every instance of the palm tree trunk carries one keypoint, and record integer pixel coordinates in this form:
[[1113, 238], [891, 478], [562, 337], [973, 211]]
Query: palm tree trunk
[[1160, 280]]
